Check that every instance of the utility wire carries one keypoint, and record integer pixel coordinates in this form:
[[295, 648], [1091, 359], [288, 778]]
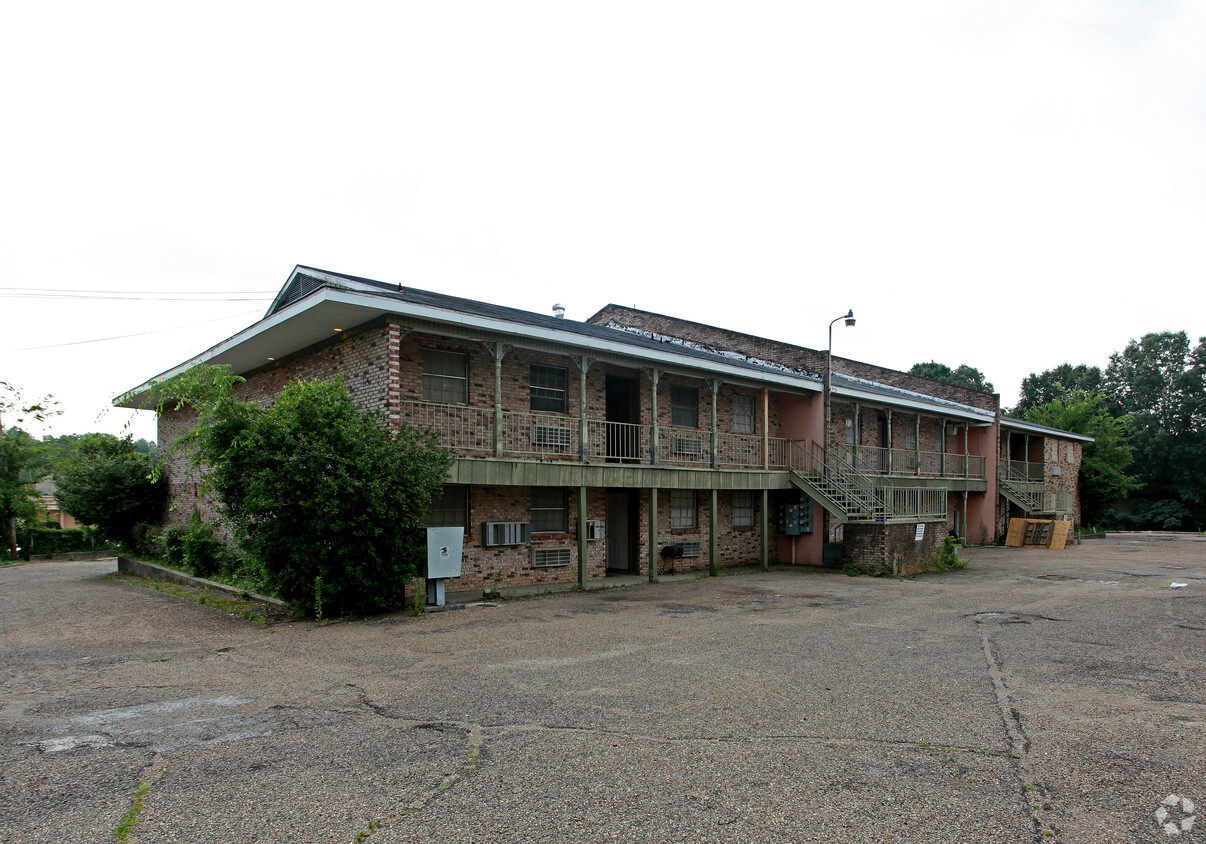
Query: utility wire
[[137, 292], [92, 297], [125, 336]]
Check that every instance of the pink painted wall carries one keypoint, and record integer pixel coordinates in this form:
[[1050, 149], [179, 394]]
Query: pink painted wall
[[804, 422]]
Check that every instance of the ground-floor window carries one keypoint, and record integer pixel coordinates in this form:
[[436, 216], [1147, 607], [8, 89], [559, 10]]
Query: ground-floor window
[[451, 509], [743, 508], [683, 511], [550, 513]]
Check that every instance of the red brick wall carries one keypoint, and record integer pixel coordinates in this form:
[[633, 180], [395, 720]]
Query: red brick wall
[[786, 353], [877, 547]]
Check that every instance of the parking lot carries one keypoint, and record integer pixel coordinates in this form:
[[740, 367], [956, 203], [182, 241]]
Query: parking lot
[[1037, 696]]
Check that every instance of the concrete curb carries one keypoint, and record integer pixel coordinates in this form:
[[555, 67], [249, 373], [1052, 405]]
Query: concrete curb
[[151, 571]]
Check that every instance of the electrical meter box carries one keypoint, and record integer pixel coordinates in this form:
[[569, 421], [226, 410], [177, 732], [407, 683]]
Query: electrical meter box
[[444, 545], [795, 517]]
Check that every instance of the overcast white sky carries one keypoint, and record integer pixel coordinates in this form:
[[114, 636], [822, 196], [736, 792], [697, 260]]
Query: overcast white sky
[[1011, 185]]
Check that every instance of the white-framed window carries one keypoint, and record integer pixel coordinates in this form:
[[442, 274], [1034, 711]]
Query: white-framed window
[[743, 508], [550, 513], [445, 377], [743, 415], [548, 387], [451, 509], [684, 406], [910, 437], [683, 510], [849, 429]]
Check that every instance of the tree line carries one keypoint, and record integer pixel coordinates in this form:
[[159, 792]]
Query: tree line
[[1146, 412]]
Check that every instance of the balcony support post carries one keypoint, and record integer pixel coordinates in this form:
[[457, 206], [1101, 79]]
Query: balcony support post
[[655, 375], [888, 413], [917, 444], [498, 351], [965, 429], [713, 552], [942, 447], [766, 427], [582, 537], [653, 558], [583, 430], [714, 387], [764, 533]]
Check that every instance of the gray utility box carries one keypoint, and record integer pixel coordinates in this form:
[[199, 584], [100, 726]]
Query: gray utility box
[[444, 546]]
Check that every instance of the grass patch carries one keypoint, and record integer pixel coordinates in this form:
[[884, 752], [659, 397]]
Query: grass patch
[[130, 819], [254, 611]]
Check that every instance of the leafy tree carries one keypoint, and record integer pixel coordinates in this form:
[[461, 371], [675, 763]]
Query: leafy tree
[[324, 495], [962, 376], [18, 457], [18, 498], [107, 483], [1159, 383], [1057, 383], [1161, 377], [1103, 470]]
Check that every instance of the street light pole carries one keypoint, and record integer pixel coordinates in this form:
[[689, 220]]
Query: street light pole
[[849, 317]]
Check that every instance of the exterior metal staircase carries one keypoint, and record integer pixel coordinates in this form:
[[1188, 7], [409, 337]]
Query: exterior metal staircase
[[1019, 489], [840, 488]]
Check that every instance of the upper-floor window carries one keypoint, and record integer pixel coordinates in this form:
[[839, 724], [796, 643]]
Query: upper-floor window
[[548, 387], [849, 429], [684, 406], [910, 438], [451, 509], [743, 508], [743, 415], [445, 377], [550, 514]]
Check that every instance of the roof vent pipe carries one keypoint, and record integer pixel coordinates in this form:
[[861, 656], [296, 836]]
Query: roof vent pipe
[[559, 311]]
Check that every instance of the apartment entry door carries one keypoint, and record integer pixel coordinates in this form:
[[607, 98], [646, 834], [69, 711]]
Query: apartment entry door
[[623, 520], [623, 389]]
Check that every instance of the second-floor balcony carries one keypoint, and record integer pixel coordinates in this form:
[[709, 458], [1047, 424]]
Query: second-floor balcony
[[911, 462], [470, 432]]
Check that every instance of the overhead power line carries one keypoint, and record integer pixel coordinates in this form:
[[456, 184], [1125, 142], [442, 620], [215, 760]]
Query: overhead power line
[[126, 336], [137, 296]]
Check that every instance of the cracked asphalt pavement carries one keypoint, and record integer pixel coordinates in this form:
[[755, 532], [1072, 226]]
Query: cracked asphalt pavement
[[1037, 696]]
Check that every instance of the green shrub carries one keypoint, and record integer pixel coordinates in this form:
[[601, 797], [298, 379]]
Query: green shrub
[[171, 545], [948, 557]]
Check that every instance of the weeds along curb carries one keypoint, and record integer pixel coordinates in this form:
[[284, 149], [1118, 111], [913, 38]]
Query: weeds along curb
[[140, 568]]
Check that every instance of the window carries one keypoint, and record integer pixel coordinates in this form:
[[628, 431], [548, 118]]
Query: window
[[743, 415], [445, 377], [682, 508], [684, 406], [449, 510], [849, 430], [743, 508], [548, 388], [549, 511], [910, 438]]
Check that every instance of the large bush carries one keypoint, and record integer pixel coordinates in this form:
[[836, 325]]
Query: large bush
[[328, 499]]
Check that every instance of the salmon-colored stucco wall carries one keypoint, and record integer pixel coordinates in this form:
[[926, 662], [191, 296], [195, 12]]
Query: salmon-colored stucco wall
[[802, 418]]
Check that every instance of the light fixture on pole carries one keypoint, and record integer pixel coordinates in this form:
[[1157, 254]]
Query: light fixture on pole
[[849, 317]]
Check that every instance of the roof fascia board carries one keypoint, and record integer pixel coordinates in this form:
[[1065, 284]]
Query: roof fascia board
[[500, 326], [1031, 428], [934, 410], [378, 303]]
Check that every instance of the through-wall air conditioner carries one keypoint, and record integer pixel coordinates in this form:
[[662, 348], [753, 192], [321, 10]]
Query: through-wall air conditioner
[[596, 529], [552, 435], [506, 533]]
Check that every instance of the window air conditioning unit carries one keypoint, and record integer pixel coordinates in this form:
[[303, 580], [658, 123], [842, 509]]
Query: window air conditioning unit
[[686, 446], [551, 435], [550, 557], [691, 548], [596, 529], [506, 533]]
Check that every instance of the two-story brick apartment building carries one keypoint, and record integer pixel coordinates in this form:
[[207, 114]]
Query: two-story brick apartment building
[[634, 443]]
